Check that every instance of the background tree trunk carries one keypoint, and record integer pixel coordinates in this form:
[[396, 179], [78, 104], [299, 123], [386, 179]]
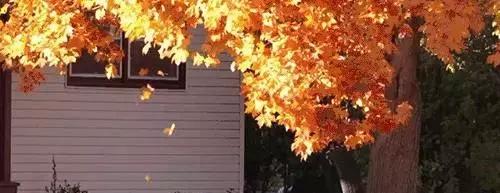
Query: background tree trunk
[[347, 170], [394, 157]]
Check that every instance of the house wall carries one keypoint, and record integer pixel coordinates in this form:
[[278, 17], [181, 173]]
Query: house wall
[[108, 140]]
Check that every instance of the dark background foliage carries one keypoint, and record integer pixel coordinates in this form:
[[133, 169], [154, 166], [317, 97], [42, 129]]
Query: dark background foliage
[[270, 165], [460, 134], [460, 141]]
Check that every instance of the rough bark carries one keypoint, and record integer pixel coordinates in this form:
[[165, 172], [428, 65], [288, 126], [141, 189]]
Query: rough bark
[[347, 170], [394, 156]]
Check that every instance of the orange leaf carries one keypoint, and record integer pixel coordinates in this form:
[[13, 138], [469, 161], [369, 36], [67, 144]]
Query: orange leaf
[[143, 72], [169, 130]]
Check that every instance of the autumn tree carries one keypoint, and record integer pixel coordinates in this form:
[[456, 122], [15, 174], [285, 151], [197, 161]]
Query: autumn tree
[[301, 60]]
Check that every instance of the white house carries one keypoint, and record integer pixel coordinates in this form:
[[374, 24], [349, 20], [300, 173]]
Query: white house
[[108, 140]]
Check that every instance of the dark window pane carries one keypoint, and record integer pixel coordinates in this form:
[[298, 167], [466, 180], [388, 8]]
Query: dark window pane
[[87, 66], [148, 66]]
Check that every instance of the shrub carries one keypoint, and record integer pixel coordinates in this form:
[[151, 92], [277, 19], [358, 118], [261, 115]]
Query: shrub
[[61, 188]]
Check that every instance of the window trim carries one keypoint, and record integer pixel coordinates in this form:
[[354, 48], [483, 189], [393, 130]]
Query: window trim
[[87, 75], [124, 81]]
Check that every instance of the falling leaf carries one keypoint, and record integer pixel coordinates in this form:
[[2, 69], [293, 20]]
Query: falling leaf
[[169, 130], [148, 178], [146, 92], [233, 66], [145, 49], [161, 73], [143, 72], [111, 71]]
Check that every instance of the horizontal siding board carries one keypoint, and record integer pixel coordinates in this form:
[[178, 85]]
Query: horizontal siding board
[[214, 82], [224, 66], [117, 133], [121, 115], [129, 177], [113, 141], [131, 159], [123, 124], [96, 150], [194, 90], [20, 167], [143, 107], [224, 72], [143, 185], [106, 97]]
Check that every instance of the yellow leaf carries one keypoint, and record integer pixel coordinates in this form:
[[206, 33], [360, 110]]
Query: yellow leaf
[[211, 61], [145, 49], [295, 2], [169, 130], [233, 66], [111, 71], [146, 92], [161, 73], [99, 14], [148, 178], [4, 9], [359, 103], [180, 56], [198, 59]]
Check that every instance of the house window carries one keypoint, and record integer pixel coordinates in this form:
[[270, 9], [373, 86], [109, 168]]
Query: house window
[[134, 71]]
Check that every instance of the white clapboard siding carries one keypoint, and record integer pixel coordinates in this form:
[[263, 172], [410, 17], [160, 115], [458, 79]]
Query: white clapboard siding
[[112, 123], [141, 185], [130, 176], [33, 104], [105, 132], [146, 142], [193, 90], [108, 140], [123, 159], [123, 115]]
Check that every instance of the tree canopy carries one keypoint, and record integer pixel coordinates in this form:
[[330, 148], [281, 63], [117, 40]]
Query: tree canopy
[[301, 60]]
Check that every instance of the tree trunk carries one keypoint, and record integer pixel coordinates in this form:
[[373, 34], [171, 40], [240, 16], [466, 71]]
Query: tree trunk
[[394, 156], [347, 170]]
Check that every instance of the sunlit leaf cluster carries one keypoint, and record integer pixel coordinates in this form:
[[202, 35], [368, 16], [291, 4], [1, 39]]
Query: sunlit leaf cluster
[[300, 59]]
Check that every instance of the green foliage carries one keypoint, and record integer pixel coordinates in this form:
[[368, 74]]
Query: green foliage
[[266, 151], [61, 188], [460, 143], [270, 164]]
